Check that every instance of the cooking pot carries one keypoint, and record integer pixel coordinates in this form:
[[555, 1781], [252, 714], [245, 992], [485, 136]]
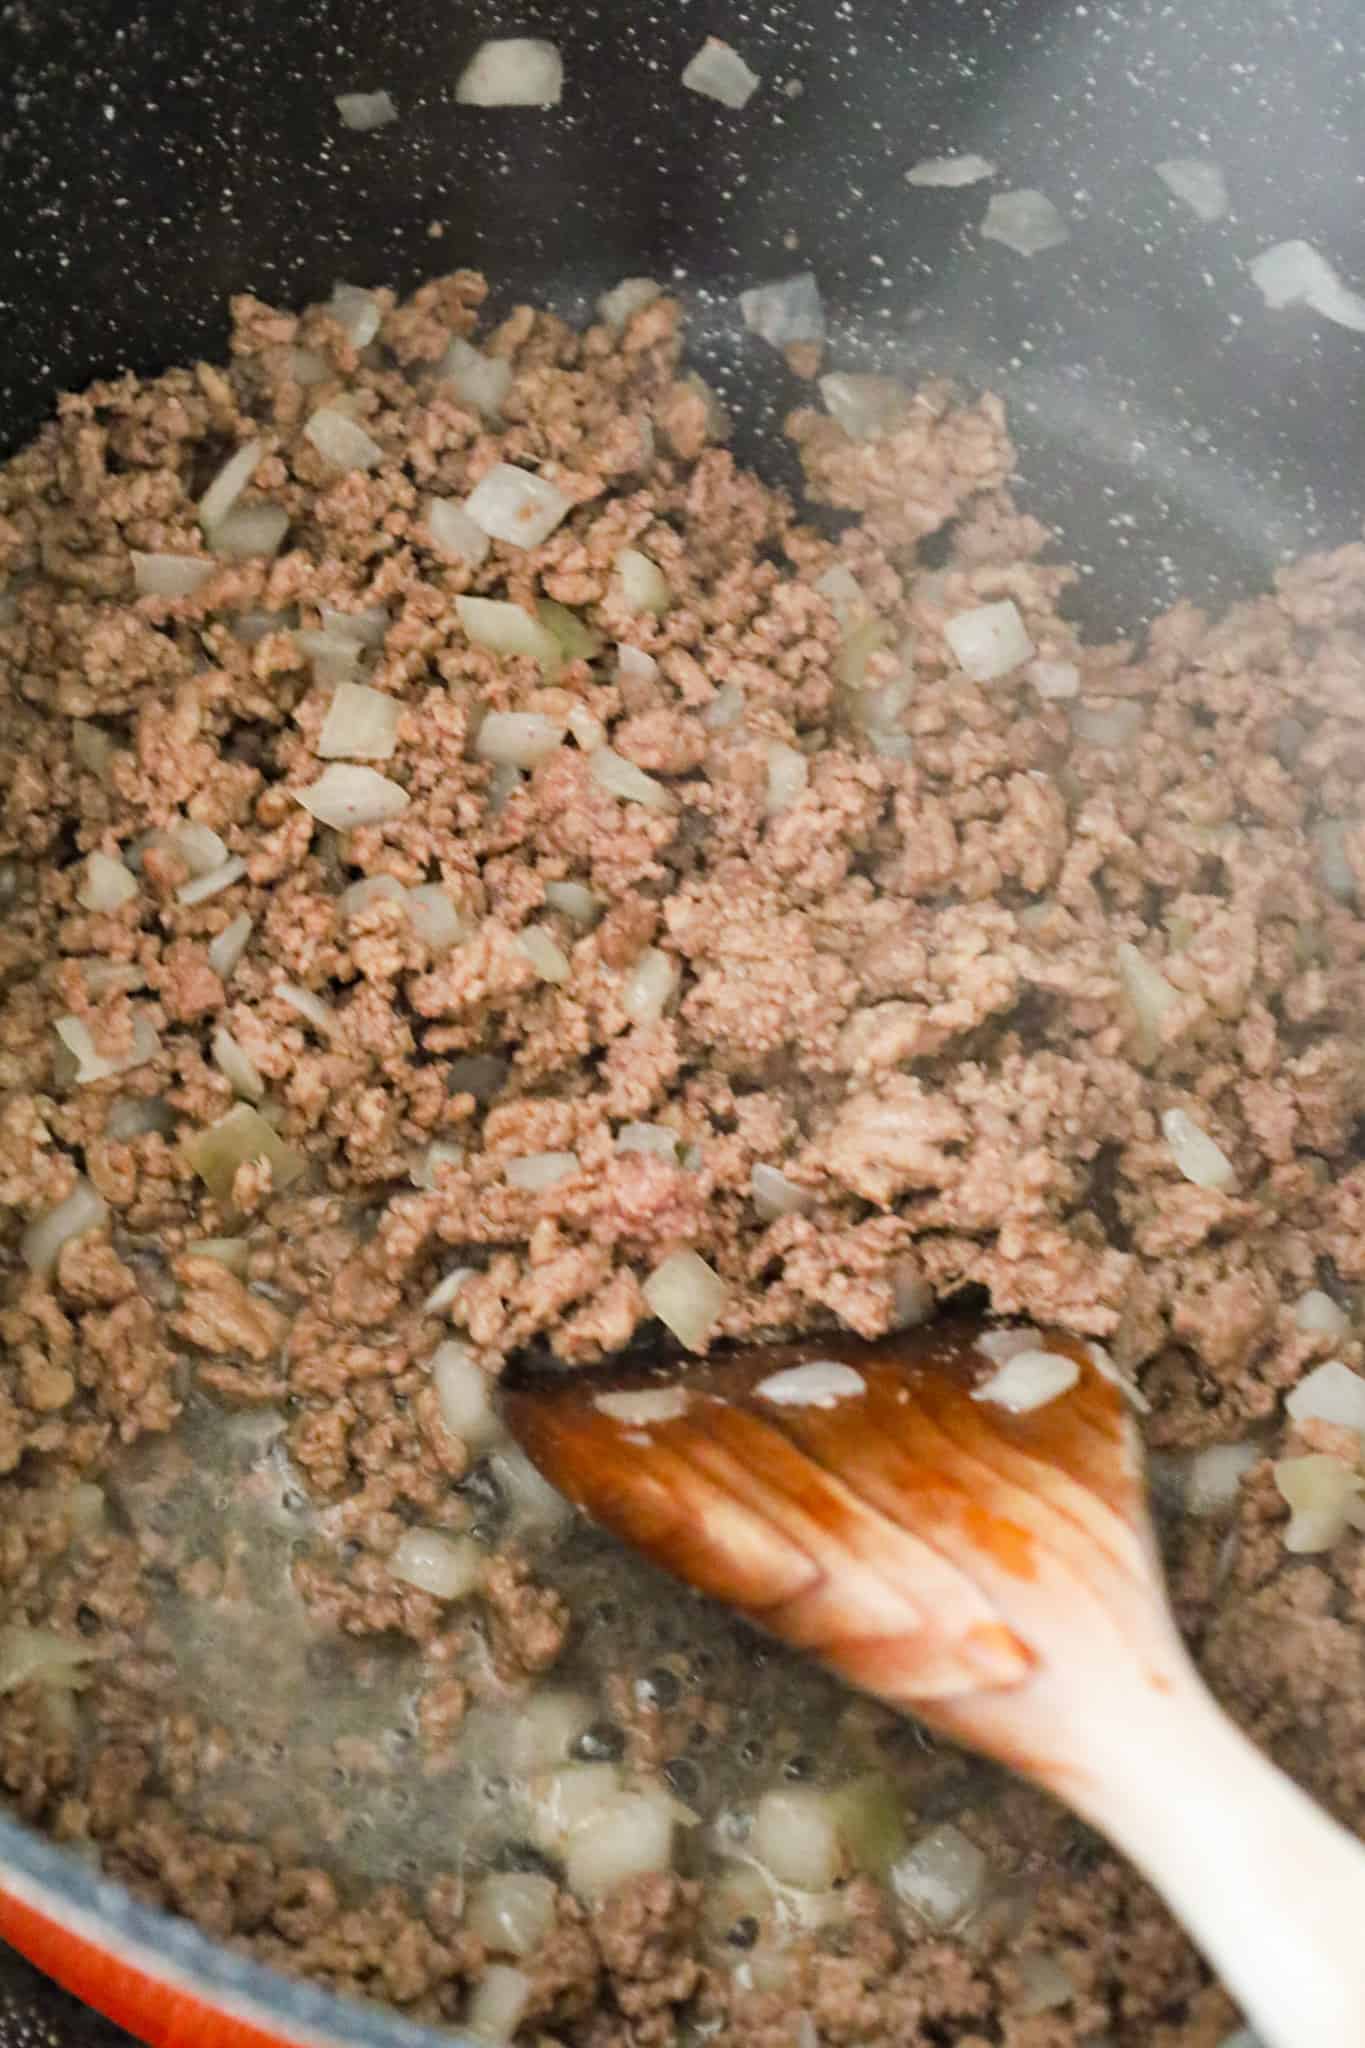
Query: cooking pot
[[1181, 436]]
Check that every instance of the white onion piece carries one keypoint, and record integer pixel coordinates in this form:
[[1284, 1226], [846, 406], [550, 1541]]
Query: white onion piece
[[169, 575], [575, 901], [250, 530], [1321, 1493], [633, 665], [687, 1296], [640, 1406], [361, 724], [506, 629], [447, 1567], [587, 730], [367, 628], [774, 1195], [1002, 1345], [1029, 1380], [561, 1800], [427, 1172], [1198, 1157], [106, 884], [435, 919], [913, 1297], [91, 746], [990, 641], [446, 1289], [618, 307], [516, 506], [231, 480], [1149, 996], [345, 796], [1330, 1393], [940, 1877], [1196, 181], [819, 1383], [946, 173], [512, 1912], [204, 887], [725, 709], [519, 738], [844, 594], [621, 778], [498, 2003], [93, 1065], [199, 846], [1338, 876], [82, 1210], [341, 440], [305, 1004], [135, 1116], [788, 775], [544, 1734], [236, 1066], [1045, 1982], [357, 312], [785, 311], [655, 1138], [864, 406], [512, 71], [335, 658], [626, 1837], [1055, 679], [649, 986], [39, 1656], [640, 584], [533, 1504], [549, 959], [1025, 221], [365, 111], [796, 1838], [1112, 725], [1317, 1315], [464, 1395], [503, 784], [537, 1171], [719, 73], [481, 381], [373, 889], [454, 534], [232, 1252], [1296, 274], [228, 947], [1214, 1477]]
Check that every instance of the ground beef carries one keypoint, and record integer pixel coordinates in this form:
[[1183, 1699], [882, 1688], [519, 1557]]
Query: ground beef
[[903, 988]]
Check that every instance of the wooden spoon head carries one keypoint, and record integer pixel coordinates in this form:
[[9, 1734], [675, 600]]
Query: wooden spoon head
[[874, 1505]]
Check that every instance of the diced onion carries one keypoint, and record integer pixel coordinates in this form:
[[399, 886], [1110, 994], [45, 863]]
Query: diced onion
[[231, 480], [774, 1195], [1025, 221], [639, 1406], [367, 628], [633, 665], [232, 1252], [341, 440], [436, 921], [335, 658], [859, 646], [577, 640], [948, 172], [82, 1210], [447, 1567], [39, 1656], [503, 784], [453, 532], [365, 111], [574, 900], [544, 1734], [1029, 1380], [228, 947], [250, 530], [1321, 1493], [1112, 725], [516, 506], [725, 709], [91, 746], [1214, 1476], [621, 778], [134, 1116], [357, 312], [587, 730], [1045, 1984], [718, 72], [499, 2001], [785, 311], [169, 575], [446, 1289], [305, 1004], [361, 724], [1317, 1315], [864, 406], [561, 1800], [990, 641], [93, 1065], [618, 307], [640, 584], [373, 889], [204, 887], [913, 1297], [628, 1836], [788, 775], [534, 1507], [1330, 1393], [519, 738], [1198, 1157], [345, 796], [1149, 996], [464, 1395], [796, 1838], [512, 71], [106, 883], [237, 1067], [941, 1877], [648, 986], [506, 629], [512, 1912], [240, 1138], [548, 958], [537, 1171], [1296, 274], [199, 846], [844, 595], [481, 381], [687, 1296], [1002, 1345], [1338, 876], [427, 1172], [655, 1138], [1055, 679], [1199, 183]]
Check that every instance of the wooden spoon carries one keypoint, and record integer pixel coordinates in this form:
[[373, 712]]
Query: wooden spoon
[[988, 1565]]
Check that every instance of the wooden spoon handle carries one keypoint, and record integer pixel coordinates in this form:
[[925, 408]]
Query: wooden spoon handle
[[1270, 1888]]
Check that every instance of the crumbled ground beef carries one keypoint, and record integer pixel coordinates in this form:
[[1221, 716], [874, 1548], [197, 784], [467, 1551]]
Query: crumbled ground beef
[[901, 988]]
